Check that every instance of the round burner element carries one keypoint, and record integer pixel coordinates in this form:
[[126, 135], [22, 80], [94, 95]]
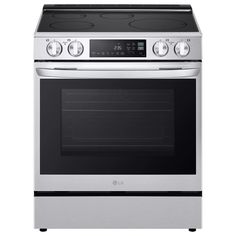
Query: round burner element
[[155, 24], [72, 25], [116, 16], [70, 16]]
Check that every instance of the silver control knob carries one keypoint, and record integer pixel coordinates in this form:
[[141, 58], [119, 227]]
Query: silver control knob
[[54, 48], [182, 49], [75, 48], [160, 48]]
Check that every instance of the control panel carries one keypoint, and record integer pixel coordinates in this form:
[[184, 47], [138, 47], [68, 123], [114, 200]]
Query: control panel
[[175, 48], [117, 48]]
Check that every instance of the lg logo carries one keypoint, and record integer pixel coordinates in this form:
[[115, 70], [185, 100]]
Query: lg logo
[[117, 182]]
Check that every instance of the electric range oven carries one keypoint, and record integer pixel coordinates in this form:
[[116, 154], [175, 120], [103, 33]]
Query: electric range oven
[[117, 125]]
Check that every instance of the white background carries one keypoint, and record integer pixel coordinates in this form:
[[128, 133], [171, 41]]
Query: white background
[[18, 20]]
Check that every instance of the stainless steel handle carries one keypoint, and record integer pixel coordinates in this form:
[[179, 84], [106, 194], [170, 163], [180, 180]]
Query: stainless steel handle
[[70, 73]]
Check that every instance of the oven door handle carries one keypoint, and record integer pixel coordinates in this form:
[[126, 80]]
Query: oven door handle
[[70, 73]]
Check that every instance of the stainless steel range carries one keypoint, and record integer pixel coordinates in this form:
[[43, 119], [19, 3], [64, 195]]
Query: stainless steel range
[[117, 117]]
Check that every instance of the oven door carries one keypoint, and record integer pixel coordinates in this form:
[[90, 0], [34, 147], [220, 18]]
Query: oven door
[[117, 126]]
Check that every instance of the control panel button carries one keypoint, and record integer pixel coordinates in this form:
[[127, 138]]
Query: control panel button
[[160, 48], [182, 49], [54, 48], [75, 48]]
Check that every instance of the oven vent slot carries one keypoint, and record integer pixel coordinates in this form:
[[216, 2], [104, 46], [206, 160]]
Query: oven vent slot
[[170, 68]]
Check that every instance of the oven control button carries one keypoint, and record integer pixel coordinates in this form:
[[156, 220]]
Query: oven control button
[[75, 48], [54, 48], [160, 48], [182, 49]]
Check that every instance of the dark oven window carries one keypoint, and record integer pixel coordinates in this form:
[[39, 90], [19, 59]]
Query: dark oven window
[[118, 127], [100, 120]]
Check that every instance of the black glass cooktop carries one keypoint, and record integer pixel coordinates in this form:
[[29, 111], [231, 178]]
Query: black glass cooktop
[[117, 18]]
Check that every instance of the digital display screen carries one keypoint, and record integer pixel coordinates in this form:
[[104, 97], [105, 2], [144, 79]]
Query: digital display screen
[[117, 48]]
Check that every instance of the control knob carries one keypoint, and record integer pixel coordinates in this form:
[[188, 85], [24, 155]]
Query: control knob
[[182, 49], [160, 48], [75, 48], [54, 48]]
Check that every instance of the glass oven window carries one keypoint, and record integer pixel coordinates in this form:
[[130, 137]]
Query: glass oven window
[[95, 120], [118, 126]]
